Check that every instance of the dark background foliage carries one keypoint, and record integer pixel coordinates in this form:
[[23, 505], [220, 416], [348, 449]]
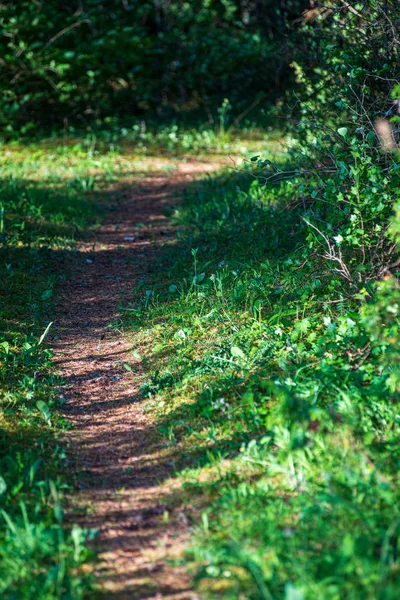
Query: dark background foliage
[[71, 63]]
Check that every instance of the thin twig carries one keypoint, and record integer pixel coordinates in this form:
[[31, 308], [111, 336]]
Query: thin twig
[[64, 31]]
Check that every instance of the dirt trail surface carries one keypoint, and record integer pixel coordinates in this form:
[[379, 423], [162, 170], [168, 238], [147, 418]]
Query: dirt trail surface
[[122, 465]]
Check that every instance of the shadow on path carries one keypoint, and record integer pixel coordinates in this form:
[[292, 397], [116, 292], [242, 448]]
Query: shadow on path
[[122, 465]]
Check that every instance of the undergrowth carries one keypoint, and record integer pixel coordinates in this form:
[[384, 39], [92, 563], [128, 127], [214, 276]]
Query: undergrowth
[[152, 139], [50, 192], [270, 327], [274, 368], [45, 201]]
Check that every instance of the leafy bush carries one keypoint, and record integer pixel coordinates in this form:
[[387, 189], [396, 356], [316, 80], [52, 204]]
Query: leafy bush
[[346, 65], [266, 357], [81, 62], [345, 95]]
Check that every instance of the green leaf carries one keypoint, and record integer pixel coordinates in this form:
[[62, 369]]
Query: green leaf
[[342, 131], [47, 294], [44, 411], [238, 352], [46, 331], [303, 325], [5, 346], [199, 278], [3, 485]]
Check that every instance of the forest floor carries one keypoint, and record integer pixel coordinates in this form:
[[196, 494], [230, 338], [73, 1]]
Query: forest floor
[[122, 466], [223, 411]]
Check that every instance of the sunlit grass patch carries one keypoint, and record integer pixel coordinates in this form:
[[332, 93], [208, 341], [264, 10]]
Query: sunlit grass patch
[[42, 215], [273, 378]]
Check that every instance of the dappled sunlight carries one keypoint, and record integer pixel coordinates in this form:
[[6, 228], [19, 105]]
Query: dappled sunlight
[[124, 469], [200, 299]]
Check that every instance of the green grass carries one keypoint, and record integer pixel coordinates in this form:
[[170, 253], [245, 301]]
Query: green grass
[[154, 140], [46, 200], [278, 383], [50, 193], [276, 379]]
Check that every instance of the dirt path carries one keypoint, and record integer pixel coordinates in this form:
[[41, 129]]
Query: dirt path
[[121, 463]]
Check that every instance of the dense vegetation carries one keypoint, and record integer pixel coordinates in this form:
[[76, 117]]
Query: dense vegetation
[[87, 63], [278, 360], [282, 378], [271, 330], [37, 556]]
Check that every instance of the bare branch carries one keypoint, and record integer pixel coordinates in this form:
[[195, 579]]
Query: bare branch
[[64, 31]]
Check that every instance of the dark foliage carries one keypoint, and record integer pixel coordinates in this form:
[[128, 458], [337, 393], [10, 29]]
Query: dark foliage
[[75, 63]]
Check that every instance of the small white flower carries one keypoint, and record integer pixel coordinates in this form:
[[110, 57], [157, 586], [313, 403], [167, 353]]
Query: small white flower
[[338, 239], [393, 309], [289, 381], [288, 532]]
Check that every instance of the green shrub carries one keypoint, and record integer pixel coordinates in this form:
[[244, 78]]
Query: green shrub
[[75, 66], [267, 358]]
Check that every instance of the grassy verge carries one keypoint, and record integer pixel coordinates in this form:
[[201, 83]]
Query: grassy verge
[[46, 199], [278, 382], [159, 140]]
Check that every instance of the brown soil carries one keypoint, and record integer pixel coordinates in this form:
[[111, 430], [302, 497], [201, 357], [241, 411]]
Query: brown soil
[[123, 467]]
